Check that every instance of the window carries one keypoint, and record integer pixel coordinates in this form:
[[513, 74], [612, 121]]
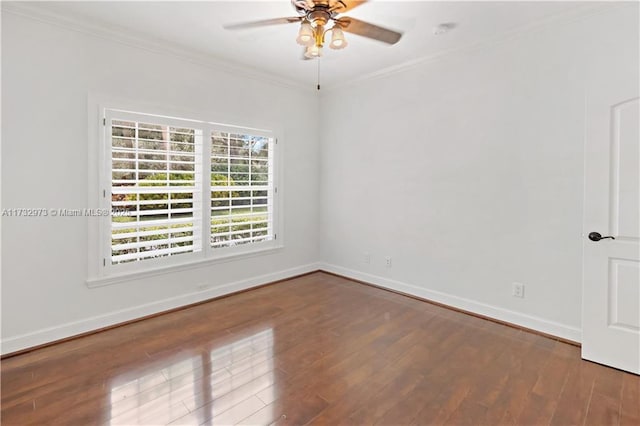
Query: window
[[184, 190], [240, 184]]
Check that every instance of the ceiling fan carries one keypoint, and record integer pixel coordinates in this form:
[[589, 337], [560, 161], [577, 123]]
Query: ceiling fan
[[314, 16]]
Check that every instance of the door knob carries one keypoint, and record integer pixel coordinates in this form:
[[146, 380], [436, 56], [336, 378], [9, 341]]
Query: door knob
[[595, 236]]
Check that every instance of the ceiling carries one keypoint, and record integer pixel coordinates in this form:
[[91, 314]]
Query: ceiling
[[197, 27]]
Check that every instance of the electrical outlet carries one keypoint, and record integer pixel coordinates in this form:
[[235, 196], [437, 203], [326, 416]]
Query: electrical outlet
[[366, 258], [387, 261], [517, 290]]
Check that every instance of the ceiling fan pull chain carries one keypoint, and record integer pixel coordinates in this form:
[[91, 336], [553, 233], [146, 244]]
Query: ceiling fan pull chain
[[318, 59]]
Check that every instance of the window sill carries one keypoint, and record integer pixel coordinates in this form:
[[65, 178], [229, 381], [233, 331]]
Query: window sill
[[131, 276]]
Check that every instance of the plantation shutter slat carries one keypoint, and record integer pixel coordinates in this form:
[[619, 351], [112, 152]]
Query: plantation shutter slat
[[124, 235], [141, 255]]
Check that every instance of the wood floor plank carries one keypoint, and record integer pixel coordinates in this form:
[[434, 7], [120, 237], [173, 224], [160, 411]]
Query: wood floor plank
[[385, 398], [318, 349], [630, 404], [405, 410], [603, 410], [576, 394], [538, 410], [290, 409]]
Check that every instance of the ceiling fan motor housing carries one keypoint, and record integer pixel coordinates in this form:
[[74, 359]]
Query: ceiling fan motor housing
[[303, 6], [319, 16]]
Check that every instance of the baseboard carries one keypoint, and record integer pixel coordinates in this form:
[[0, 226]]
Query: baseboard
[[53, 334], [69, 330], [538, 324]]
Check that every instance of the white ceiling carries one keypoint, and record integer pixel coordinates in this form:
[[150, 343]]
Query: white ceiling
[[197, 26]]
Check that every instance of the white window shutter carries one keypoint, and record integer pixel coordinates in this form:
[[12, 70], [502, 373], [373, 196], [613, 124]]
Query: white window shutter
[[156, 186]]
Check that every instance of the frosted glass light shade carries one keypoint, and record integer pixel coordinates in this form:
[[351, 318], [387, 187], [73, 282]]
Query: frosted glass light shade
[[306, 36], [337, 38], [313, 51]]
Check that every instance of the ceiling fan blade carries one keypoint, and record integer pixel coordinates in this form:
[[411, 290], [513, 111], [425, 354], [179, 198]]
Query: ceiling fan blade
[[342, 6], [263, 23], [365, 29]]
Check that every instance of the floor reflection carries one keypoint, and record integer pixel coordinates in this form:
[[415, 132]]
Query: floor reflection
[[223, 386]]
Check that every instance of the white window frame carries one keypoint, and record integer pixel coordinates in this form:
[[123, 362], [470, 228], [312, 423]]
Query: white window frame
[[101, 271]]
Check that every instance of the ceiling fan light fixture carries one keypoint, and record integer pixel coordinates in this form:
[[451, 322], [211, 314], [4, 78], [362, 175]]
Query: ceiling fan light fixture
[[337, 38], [318, 17], [313, 51], [306, 36]]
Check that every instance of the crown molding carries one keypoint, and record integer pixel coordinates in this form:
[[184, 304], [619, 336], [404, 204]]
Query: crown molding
[[588, 10], [152, 44]]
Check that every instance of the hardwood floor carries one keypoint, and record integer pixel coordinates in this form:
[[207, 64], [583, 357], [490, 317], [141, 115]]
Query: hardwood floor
[[320, 350]]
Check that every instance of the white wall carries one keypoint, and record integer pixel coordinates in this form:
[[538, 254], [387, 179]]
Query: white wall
[[48, 73], [468, 172]]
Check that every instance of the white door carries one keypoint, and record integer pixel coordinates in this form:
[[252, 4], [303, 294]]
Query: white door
[[611, 281]]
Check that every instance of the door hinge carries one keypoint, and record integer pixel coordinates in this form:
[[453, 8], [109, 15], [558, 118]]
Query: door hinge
[[275, 189], [276, 141], [275, 236], [104, 262], [104, 121], [104, 193]]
